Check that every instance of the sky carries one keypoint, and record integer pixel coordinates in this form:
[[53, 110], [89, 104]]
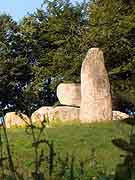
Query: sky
[[19, 8]]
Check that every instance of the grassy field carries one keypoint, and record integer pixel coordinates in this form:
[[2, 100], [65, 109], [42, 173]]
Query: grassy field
[[74, 138]]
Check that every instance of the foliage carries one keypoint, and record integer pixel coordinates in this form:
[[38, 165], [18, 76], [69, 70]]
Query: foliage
[[15, 72], [112, 28], [126, 169], [48, 46], [58, 31], [45, 48]]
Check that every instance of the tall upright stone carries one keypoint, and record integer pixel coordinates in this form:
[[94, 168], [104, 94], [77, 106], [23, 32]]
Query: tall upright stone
[[96, 102]]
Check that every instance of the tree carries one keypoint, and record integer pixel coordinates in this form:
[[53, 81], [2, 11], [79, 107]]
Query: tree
[[15, 72], [57, 34], [112, 28], [63, 31]]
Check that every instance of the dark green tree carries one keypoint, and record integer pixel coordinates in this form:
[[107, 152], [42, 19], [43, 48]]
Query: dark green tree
[[57, 36], [112, 28], [15, 72]]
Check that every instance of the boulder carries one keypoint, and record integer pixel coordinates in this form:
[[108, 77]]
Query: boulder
[[41, 114], [69, 94], [13, 119], [96, 104], [64, 113], [117, 115]]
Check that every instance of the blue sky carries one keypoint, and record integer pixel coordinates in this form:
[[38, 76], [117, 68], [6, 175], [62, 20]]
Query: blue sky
[[19, 8]]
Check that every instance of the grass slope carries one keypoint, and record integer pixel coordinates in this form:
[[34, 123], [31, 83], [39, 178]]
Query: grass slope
[[77, 139]]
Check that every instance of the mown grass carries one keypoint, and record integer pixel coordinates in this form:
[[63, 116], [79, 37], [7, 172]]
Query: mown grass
[[72, 138]]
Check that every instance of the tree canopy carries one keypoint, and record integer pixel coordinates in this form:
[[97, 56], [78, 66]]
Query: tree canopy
[[48, 47], [112, 28]]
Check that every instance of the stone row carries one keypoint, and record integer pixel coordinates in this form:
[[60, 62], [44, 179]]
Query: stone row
[[93, 95], [61, 113], [88, 102]]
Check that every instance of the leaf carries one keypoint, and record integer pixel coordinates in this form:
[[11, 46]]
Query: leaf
[[129, 121], [123, 145]]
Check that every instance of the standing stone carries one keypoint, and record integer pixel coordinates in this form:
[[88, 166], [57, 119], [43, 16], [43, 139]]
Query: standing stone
[[69, 94], [96, 102]]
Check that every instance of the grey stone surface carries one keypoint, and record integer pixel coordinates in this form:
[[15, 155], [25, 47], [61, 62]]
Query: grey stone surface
[[96, 104], [64, 113], [14, 120], [41, 114], [69, 94], [117, 115]]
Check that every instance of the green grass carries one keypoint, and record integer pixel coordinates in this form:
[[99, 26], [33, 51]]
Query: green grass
[[74, 138]]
